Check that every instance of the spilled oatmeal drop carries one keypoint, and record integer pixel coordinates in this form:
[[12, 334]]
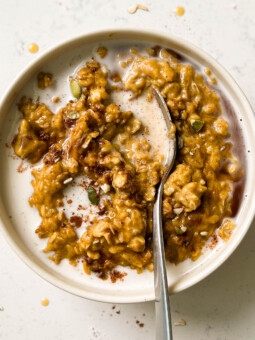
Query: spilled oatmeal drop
[[179, 11], [33, 48], [133, 9], [45, 302]]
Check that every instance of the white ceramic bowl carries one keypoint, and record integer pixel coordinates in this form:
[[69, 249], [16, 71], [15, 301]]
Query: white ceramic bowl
[[15, 188]]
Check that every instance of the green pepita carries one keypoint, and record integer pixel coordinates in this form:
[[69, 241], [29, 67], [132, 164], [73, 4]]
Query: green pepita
[[179, 231], [92, 195], [73, 115], [75, 88], [197, 124], [180, 142]]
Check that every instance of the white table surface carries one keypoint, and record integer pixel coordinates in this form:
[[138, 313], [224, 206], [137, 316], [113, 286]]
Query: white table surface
[[221, 306]]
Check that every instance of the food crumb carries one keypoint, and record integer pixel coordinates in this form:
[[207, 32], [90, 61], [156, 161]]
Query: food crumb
[[181, 322], [234, 6], [213, 81], [118, 312], [33, 48], [44, 80], [76, 220], [95, 332], [133, 50], [56, 100], [69, 201], [140, 324], [133, 9], [21, 168], [115, 77], [226, 229], [45, 302], [115, 275], [207, 71], [179, 11], [113, 307], [1, 308], [214, 242], [102, 51], [68, 180]]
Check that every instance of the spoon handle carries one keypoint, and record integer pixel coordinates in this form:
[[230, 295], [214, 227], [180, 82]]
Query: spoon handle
[[162, 304]]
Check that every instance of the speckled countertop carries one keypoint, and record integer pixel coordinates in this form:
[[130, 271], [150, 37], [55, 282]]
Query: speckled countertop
[[220, 307]]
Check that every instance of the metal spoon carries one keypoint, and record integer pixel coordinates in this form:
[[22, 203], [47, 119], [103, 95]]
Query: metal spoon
[[162, 304]]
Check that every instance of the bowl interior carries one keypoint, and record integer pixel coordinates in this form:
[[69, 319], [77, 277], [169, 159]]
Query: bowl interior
[[18, 220]]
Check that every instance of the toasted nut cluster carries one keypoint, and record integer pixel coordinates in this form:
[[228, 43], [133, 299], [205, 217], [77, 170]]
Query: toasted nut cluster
[[92, 136]]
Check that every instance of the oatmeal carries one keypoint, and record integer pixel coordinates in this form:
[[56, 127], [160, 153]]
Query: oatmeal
[[95, 136], [44, 80]]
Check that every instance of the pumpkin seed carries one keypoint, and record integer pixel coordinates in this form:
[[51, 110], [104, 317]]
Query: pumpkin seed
[[75, 88], [180, 142], [92, 195], [203, 234], [197, 124], [73, 115], [68, 180], [181, 230], [105, 188], [178, 211]]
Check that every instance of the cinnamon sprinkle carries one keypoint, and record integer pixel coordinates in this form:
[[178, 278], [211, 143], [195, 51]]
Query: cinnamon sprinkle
[[115, 275], [76, 220], [21, 168]]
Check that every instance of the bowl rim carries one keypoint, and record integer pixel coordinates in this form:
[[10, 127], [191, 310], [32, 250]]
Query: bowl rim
[[112, 33]]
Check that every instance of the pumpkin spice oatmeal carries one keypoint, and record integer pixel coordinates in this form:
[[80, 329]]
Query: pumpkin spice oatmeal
[[94, 137]]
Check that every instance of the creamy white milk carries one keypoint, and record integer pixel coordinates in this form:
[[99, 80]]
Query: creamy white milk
[[149, 113]]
